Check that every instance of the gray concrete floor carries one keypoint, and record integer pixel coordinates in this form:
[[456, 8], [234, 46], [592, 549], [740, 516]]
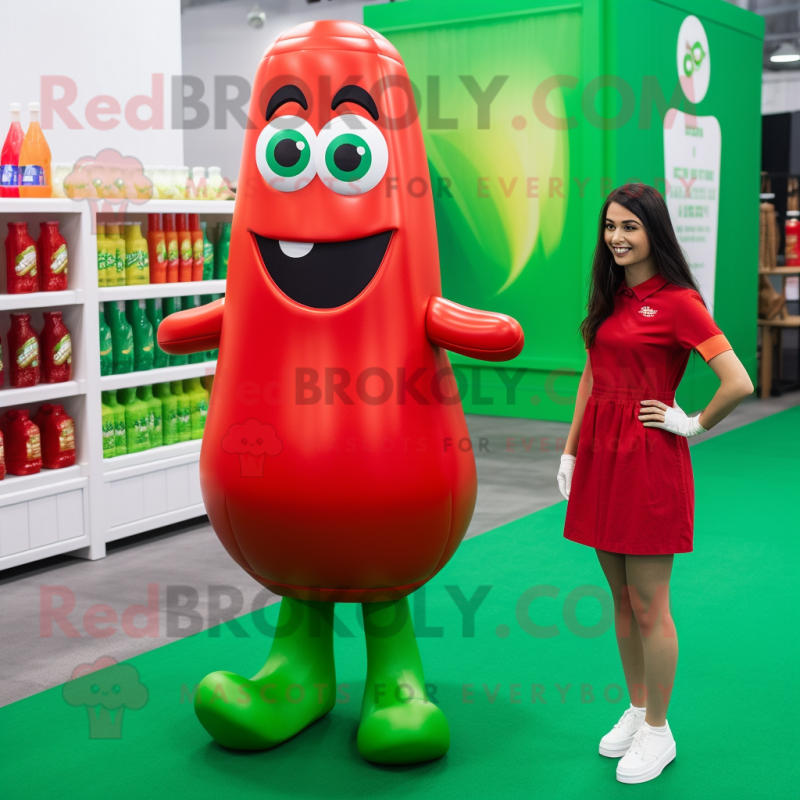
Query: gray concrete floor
[[517, 465]]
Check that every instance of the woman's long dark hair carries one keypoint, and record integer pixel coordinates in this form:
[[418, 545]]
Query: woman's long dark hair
[[648, 205]]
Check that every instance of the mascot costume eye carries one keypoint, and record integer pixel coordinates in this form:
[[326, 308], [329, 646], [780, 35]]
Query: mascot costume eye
[[328, 465]]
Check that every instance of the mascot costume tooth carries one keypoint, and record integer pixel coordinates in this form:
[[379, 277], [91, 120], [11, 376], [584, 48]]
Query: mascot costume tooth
[[330, 466]]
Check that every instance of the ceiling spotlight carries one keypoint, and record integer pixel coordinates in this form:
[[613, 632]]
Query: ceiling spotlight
[[786, 54], [256, 17]]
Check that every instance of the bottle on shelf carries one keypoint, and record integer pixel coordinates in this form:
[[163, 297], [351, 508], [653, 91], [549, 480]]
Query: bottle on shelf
[[170, 306], [792, 239], [155, 412], [169, 412], [21, 260], [137, 420], [222, 251], [193, 301], [173, 252], [199, 184], [56, 349], [208, 253], [214, 184], [156, 249], [155, 315], [115, 244], [205, 299], [106, 346], [34, 159], [23, 346], [121, 336], [9, 160], [184, 411], [143, 341], [109, 430], [198, 405], [184, 248], [120, 435], [23, 444], [197, 246], [137, 262], [52, 257], [57, 430], [102, 265]]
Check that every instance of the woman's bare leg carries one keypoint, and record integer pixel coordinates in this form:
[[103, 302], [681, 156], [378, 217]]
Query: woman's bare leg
[[629, 640], [648, 590]]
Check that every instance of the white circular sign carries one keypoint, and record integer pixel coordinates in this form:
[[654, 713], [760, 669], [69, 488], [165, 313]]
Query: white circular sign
[[694, 61]]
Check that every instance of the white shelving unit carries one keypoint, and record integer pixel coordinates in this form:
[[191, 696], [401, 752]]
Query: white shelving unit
[[79, 509]]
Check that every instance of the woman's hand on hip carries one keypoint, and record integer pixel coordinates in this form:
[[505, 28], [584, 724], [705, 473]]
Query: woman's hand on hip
[[565, 475], [655, 414]]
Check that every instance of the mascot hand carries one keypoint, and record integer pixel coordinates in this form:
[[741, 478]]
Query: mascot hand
[[565, 475]]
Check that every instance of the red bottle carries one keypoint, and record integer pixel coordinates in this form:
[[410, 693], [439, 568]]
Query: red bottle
[[23, 443], [58, 436], [23, 352], [2, 458], [56, 349], [52, 250], [184, 248], [9, 161], [792, 239], [171, 241], [20, 259]]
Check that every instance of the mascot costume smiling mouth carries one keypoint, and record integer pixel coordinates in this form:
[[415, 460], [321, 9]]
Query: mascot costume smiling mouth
[[330, 465]]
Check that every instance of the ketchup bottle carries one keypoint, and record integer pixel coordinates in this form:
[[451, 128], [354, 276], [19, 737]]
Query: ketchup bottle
[[792, 239], [52, 249], [20, 259], [58, 436], [56, 349], [23, 444], [23, 346]]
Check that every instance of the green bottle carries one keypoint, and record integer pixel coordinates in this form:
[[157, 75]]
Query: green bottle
[[169, 412], [155, 315], [170, 305], [121, 444], [109, 432], [198, 399], [142, 335], [145, 394], [106, 346], [208, 255], [184, 411], [223, 250], [121, 336], [137, 420], [193, 301]]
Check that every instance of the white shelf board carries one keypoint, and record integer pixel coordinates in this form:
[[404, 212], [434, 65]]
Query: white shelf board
[[15, 302], [154, 455], [158, 521], [46, 551], [145, 291], [110, 383], [41, 392], [179, 207], [12, 484], [40, 205]]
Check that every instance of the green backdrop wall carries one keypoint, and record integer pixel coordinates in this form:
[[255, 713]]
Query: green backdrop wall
[[526, 134]]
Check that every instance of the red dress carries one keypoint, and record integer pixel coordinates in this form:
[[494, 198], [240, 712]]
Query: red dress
[[632, 489]]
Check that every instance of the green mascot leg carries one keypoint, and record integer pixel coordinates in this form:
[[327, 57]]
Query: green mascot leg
[[399, 725], [295, 687]]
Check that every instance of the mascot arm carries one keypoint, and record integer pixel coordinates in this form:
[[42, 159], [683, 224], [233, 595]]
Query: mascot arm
[[478, 334], [193, 330]]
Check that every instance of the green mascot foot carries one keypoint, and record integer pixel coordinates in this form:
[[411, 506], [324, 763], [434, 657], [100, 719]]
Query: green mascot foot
[[296, 686], [399, 724]]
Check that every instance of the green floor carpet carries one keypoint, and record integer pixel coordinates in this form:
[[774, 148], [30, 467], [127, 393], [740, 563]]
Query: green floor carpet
[[734, 713]]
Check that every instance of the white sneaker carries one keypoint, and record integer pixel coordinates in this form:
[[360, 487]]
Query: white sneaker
[[617, 741], [650, 752]]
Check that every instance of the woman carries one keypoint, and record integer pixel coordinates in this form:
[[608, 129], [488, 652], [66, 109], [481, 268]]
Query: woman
[[626, 470]]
